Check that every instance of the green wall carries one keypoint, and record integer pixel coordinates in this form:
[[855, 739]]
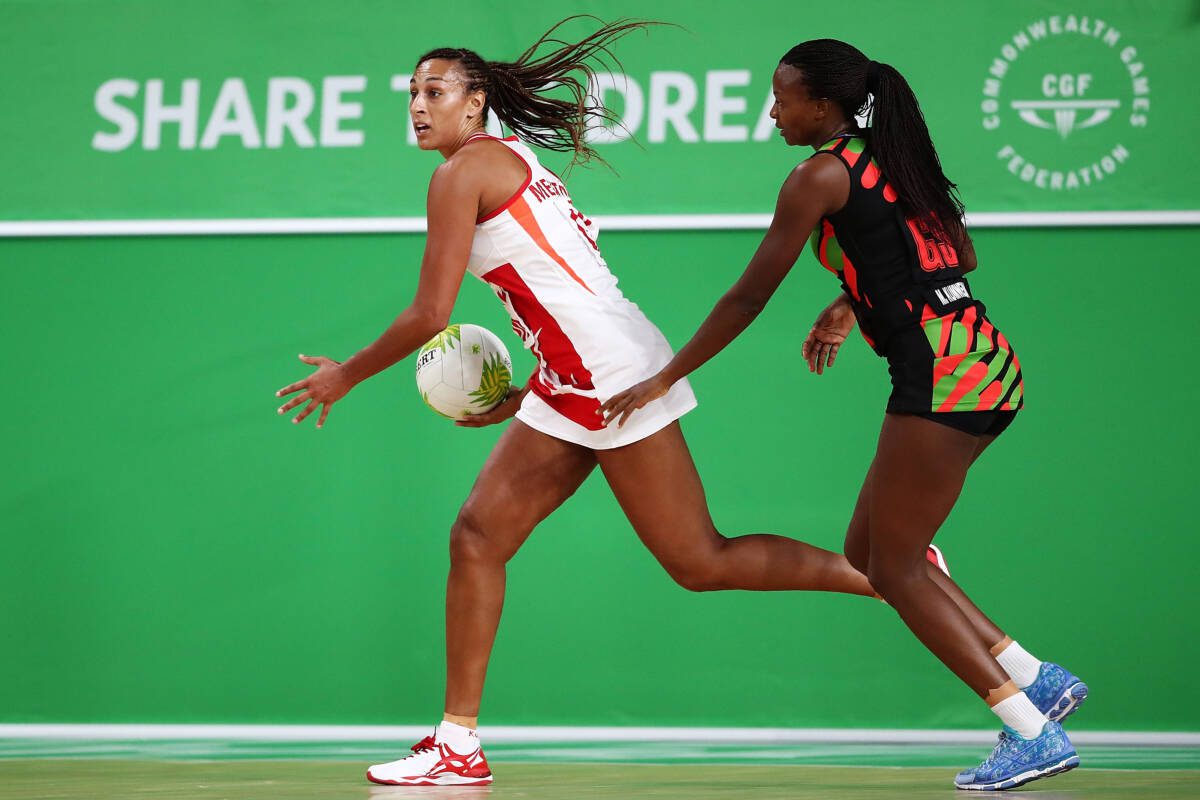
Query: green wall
[[172, 551]]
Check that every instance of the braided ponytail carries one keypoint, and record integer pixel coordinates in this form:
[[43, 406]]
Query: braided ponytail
[[897, 136], [517, 90]]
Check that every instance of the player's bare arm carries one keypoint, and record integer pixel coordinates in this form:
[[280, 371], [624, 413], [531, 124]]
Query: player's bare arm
[[454, 193], [815, 188]]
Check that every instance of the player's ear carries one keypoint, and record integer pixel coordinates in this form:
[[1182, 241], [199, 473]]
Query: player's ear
[[475, 103]]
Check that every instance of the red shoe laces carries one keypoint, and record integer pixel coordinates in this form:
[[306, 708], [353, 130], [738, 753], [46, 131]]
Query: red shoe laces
[[425, 744]]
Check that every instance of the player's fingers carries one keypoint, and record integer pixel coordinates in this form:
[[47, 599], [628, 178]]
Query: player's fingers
[[292, 387], [833, 351], [609, 404], [811, 357], [295, 401], [308, 409], [628, 412], [624, 406], [324, 413], [315, 361]]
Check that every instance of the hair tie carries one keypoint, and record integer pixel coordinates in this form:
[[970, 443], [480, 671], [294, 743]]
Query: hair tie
[[872, 74]]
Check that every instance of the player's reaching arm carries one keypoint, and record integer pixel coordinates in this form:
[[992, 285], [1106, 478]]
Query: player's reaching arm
[[814, 189], [453, 201]]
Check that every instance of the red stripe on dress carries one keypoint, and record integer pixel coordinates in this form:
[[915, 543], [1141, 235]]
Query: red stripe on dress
[[989, 396], [946, 366], [823, 247], [851, 276], [965, 384], [555, 352], [523, 214], [889, 193]]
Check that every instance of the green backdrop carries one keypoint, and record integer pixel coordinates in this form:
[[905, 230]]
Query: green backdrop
[[74, 149], [174, 551]]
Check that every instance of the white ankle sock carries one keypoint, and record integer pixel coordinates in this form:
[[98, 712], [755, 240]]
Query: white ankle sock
[[458, 738], [1019, 713], [1020, 666]]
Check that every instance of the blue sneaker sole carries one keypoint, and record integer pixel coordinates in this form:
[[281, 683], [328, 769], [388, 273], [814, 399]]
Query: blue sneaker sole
[[1068, 702], [1057, 768]]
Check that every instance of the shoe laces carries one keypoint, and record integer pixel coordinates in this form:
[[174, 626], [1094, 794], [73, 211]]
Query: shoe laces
[[425, 744], [1001, 746]]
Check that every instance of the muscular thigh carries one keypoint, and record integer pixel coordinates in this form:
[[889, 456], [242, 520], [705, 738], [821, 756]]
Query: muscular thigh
[[527, 475], [656, 483], [858, 534], [917, 476]]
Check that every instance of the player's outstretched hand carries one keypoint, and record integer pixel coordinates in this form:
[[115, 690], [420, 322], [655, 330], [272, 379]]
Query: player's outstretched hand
[[323, 388], [620, 406], [832, 327], [498, 414]]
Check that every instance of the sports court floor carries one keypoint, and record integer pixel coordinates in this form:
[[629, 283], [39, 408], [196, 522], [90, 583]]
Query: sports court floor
[[131, 770]]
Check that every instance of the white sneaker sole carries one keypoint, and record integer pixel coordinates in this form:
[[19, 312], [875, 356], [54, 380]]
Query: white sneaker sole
[[441, 780], [1067, 764]]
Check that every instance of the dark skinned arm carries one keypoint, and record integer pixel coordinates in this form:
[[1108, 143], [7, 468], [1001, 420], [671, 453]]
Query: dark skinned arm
[[817, 187]]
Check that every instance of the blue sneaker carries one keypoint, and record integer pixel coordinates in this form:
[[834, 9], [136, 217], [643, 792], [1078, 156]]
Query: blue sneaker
[[1056, 692], [1016, 761]]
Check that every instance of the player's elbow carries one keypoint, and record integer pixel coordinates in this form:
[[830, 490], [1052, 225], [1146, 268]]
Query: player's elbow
[[431, 319], [746, 305]]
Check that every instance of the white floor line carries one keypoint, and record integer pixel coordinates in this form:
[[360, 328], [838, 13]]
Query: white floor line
[[631, 222], [556, 734]]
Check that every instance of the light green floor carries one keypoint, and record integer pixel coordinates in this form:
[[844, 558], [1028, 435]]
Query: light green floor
[[662, 753], [63, 779]]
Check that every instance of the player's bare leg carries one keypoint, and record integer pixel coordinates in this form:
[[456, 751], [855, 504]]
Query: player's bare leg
[[527, 476], [857, 549], [656, 483], [1053, 689]]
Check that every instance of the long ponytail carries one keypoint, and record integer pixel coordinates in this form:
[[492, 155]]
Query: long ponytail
[[516, 90], [897, 134]]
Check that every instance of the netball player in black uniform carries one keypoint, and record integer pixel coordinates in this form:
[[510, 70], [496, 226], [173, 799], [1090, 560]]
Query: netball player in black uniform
[[885, 219]]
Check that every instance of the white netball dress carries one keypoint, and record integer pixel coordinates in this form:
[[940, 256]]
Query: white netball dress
[[539, 255]]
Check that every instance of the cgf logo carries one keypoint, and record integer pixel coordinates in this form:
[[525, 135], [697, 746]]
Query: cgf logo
[[1074, 76], [1064, 104]]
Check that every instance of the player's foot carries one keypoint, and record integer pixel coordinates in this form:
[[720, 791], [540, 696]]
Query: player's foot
[[432, 763], [1056, 692], [1016, 761], [934, 556]]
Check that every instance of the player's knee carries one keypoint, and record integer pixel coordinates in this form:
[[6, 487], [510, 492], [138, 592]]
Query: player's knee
[[702, 570], [891, 578], [469, 540]]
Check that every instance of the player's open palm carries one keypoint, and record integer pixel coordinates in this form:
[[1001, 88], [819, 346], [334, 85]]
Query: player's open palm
[[323, 388], [833, 325]]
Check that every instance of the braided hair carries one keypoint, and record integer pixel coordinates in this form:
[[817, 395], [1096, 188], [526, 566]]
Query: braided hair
[[517, 90], [897, 135]]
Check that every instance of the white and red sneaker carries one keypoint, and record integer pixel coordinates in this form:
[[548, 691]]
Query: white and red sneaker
[[433, 763], [934, 556]]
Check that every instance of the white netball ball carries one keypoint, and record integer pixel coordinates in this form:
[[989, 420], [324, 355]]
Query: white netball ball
[[463, 370]]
